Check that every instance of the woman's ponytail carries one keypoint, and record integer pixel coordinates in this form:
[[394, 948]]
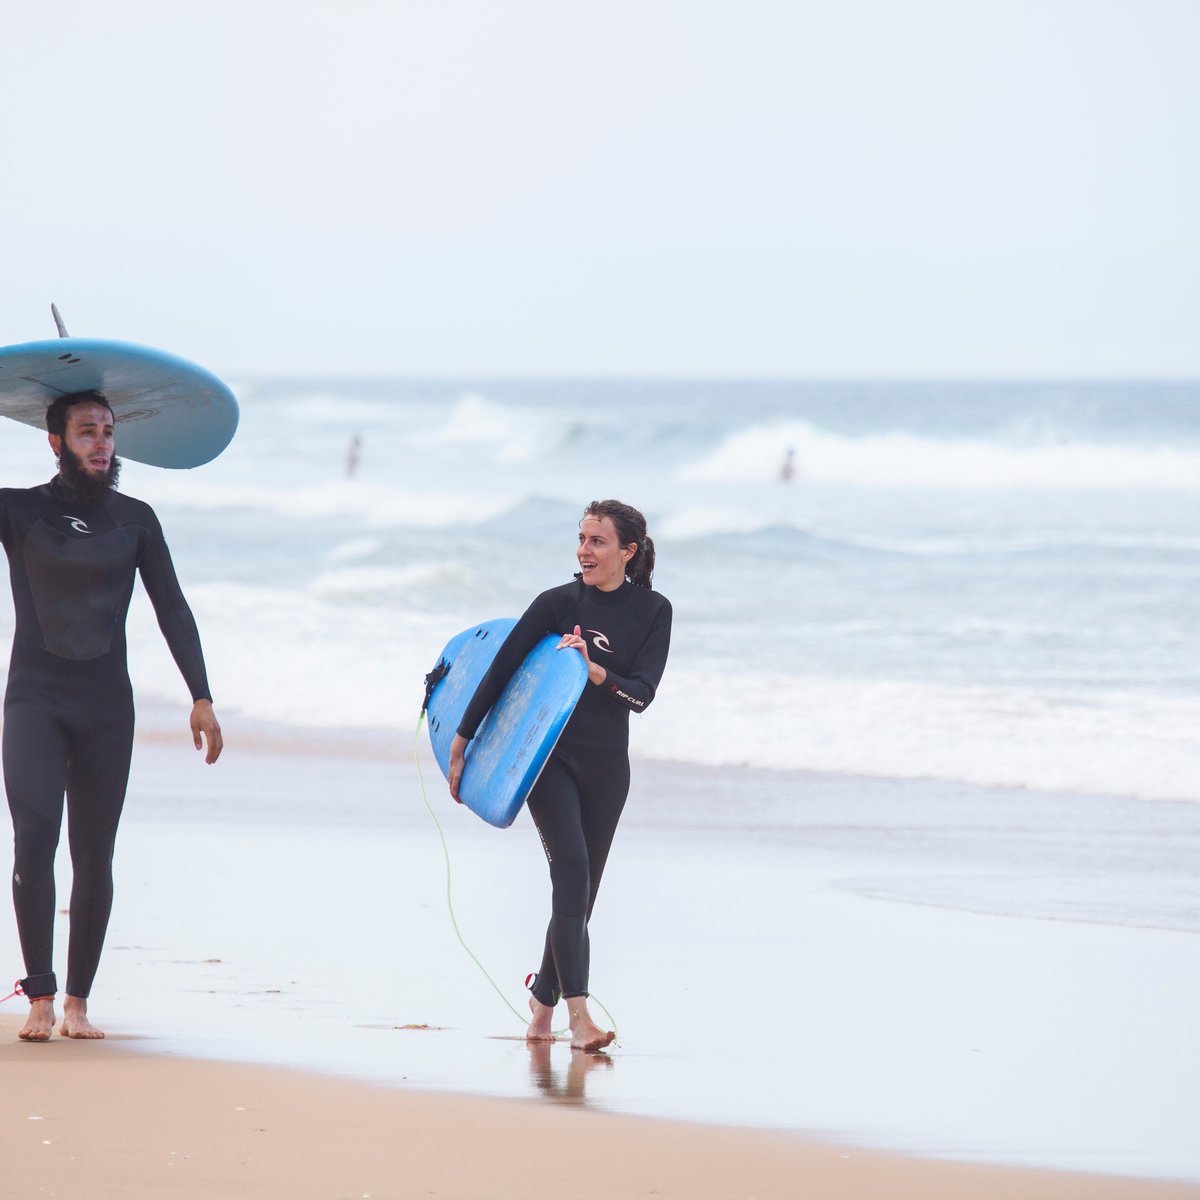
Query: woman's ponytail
[[640, 569]]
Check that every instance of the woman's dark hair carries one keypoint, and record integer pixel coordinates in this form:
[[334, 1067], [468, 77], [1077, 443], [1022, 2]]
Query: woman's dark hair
[[56, 414], [631, 530]]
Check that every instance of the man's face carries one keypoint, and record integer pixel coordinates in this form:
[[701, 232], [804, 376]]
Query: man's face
[[89, 437]]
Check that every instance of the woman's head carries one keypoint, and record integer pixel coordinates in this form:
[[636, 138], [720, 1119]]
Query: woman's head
[[613, 545]]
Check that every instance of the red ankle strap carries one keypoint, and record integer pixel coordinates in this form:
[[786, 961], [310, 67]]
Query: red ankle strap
[[18, 990]]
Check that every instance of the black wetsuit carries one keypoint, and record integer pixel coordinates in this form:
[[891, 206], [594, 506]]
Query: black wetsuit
[[577, 801], [68, 710]]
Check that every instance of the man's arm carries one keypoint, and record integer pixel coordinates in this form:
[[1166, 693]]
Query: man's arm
[[183, 638]]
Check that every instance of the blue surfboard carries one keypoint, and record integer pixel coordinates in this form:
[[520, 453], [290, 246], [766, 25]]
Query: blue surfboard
[[169, 412], [511, 746]]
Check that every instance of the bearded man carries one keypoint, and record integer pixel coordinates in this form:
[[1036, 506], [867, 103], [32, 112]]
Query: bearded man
[[74, 546]]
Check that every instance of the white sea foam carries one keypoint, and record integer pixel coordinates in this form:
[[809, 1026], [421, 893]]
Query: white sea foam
[[1115, 743], [370, 505], [384, 583], [310, 658], [303, 657], [908, 460], [706, 520], [773, 513], [1021, 543], [476, 422], [353, 549]]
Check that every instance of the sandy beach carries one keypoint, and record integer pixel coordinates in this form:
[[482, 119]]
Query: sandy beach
[[290, 1013], [100, 1120]]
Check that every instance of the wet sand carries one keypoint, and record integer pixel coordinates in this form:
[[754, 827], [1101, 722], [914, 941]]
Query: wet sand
[[94, 1120], [287, 908]]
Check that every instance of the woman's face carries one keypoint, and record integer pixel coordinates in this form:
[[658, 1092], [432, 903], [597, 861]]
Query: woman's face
[[601, 556]]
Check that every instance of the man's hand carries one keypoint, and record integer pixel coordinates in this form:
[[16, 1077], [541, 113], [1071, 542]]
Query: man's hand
[[204, 723]]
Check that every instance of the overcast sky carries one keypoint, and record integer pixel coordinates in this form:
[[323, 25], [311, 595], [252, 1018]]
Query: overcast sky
[[759, 188]]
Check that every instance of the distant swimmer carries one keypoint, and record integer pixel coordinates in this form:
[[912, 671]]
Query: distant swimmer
[[787, 471], [352, 456], [611, 615], [74, 546]]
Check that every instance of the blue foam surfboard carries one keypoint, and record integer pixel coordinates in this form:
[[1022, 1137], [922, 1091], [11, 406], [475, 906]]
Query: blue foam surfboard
[[511, 746], [169, 412]]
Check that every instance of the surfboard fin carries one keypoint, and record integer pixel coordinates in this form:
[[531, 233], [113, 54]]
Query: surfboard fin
[[433, 679], [62, 329]]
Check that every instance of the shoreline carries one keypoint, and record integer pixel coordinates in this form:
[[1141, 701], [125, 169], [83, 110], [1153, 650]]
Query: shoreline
[[205, 1128], [921, 1029]]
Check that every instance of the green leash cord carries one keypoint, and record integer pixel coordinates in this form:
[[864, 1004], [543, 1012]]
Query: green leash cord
[[450, 899]]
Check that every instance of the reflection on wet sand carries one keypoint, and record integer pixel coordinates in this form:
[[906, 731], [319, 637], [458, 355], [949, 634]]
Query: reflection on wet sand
[[565, 1087]]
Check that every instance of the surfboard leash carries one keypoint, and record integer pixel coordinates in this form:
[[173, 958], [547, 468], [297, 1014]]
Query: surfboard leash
[[450, 897], [449, 882]]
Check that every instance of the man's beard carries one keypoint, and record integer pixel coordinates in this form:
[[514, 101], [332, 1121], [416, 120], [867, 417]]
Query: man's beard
[[87, 485]]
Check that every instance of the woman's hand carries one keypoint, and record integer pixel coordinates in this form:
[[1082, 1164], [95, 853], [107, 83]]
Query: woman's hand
[[576, 641], [458, 760]]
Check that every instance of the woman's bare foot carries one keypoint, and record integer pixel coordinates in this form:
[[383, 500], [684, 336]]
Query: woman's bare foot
[[75, 1023], [586, 1035], [541, 1027], [591, 1039], [40, 1022]]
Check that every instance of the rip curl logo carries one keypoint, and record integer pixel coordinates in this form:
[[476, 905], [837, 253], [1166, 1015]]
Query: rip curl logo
[[77, 523], [600, 641]]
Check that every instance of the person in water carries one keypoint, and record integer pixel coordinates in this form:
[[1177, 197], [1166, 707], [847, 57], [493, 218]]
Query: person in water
[[611, 615], [74, 545]]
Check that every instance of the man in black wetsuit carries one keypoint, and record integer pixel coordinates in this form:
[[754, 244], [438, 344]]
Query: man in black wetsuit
[[74, 546]]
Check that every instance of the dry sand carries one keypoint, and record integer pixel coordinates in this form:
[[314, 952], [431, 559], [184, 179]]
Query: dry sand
[[92, 1120]]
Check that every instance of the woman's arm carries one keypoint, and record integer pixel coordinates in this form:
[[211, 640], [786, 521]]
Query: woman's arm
[[637, 689], [525, 634], [528, 631]]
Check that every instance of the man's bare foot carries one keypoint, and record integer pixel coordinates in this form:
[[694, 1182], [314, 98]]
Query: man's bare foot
[[541, 1027], [75, 1023], [40, 1023]]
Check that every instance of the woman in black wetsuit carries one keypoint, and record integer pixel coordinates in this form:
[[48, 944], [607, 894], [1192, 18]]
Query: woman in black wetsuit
[[611, 616]]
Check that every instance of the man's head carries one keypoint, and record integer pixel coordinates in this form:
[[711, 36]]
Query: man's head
[[80, 429]]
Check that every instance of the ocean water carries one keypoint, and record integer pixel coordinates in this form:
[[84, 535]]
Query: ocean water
[[986, 583], [959, 645]]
